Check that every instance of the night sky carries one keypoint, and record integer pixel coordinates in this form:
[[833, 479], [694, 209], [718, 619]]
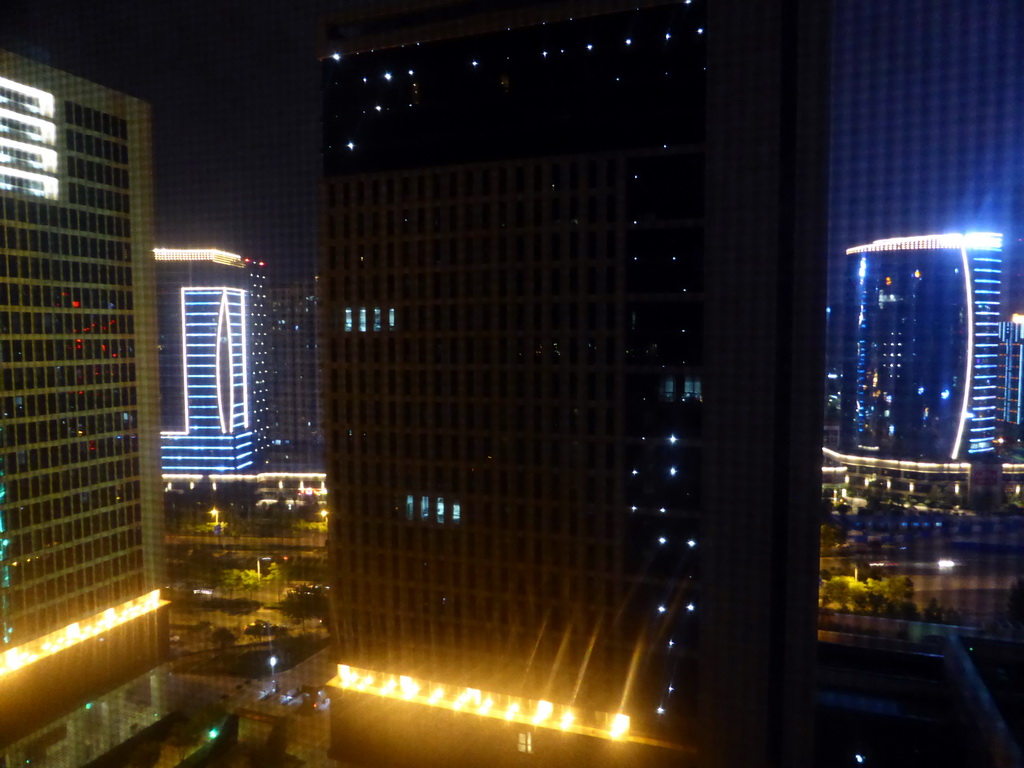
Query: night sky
[[234, 88]]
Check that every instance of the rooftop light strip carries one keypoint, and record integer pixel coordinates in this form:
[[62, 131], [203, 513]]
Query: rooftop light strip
[[474, 701], [78, 632], [197, 254], [981, 241]]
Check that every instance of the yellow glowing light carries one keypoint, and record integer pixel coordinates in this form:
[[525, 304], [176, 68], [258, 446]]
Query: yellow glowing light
[[78, 632], [620, 726], [1017, 318], [473, 702], [544, 710], [408, 686]]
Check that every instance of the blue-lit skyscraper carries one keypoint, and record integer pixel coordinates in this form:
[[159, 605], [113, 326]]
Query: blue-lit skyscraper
[[927, 357], [207, 362], [218, 435]]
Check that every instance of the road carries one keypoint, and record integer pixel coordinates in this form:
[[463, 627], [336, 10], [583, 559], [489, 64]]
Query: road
[[977, 585]]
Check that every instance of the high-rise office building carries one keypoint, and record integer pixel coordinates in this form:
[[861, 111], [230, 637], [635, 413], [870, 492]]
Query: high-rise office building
[[294, 431], [211, 354], [1011, 340], [516, 404], [928, 378], [80, 513]]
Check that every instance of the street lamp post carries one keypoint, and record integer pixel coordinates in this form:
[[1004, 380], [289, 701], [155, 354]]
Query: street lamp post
[[273, 679]]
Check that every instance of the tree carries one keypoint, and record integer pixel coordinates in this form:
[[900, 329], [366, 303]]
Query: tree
[[1015, 601], [277, 576], [222, 637], [832, 535], [249, 581], [231, 580], [304, 602]]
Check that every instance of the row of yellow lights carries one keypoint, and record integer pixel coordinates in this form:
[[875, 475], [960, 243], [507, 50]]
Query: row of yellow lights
[[79, 631], [474, 701], [196, 254]]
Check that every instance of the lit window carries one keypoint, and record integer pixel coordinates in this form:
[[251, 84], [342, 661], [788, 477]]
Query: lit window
[[440, 509], [410, 502], [362, 319], [456, 511], [425, 507], [526, 742], [377, 315], [391, 318], [348, 319]]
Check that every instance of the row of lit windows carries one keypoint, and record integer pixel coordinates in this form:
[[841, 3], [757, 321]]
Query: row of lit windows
[[436, 510], [23, 130], [24, 101], [475, 183], [431, 253], [95, 120], [19, 352], [35, 187]]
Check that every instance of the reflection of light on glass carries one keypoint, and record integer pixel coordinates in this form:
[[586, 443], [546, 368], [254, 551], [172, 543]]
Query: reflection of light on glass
[[944, 564]]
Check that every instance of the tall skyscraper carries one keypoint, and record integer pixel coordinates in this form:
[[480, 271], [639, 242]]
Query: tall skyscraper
[[80, 513], [294, 429], [928, 378], [513, 341], [211, 355]]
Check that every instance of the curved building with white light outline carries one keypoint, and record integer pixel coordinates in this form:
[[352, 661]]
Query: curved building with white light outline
[[927, 366], [206, 362]]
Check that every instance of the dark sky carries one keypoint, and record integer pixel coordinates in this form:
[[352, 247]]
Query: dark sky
[[234, 88]]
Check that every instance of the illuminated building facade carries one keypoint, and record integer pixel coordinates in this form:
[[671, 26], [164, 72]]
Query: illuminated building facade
[[513, 362], [927, 359], [80, 519], [209, 361]]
